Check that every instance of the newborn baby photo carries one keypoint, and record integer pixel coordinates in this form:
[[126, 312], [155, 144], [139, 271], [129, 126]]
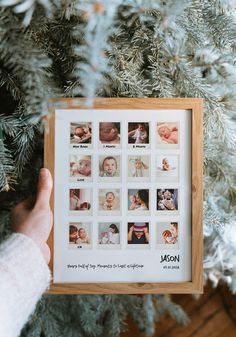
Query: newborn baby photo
[[168, 133], [109, 132], [81, 133], [138, 133]]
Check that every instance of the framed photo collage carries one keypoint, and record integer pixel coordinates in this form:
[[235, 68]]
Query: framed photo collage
[[123, 195]]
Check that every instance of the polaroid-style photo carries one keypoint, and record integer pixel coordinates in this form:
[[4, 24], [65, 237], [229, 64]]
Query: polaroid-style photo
[[167, 168], [81, 135], [138, 234], [80, 168], [110, 135], [138, 168], [80, 235], [138, 135], [80, 200], [167, 234], [109, 235], [109, 168], [167, 134], [167, 201], [109, 201], [138, 201]]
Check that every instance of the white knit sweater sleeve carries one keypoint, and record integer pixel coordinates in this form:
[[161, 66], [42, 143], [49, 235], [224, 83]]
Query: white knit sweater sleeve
[[24, 276]]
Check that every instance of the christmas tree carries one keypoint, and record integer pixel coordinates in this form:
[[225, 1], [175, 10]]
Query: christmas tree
[[136, 48]]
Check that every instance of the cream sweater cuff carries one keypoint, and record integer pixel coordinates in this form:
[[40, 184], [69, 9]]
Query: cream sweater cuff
[[24, 276]]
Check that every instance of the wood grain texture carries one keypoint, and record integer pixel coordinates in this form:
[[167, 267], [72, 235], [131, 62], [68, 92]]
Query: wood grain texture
[[195, 105], [49, 159], [213, 314]]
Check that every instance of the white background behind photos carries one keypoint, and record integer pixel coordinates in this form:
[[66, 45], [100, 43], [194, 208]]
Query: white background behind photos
[[101, 260]]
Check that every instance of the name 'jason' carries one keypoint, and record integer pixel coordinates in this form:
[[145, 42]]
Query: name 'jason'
[[169, 258]]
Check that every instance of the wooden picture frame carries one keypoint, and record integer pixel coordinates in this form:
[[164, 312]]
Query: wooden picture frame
[[194, 106]]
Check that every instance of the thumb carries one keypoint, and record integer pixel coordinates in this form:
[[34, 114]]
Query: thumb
[[44, 188]]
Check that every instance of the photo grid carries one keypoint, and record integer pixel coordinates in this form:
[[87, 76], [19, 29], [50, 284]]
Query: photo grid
[[124, 184]]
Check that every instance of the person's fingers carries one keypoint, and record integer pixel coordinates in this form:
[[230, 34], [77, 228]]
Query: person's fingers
[[44, 189]]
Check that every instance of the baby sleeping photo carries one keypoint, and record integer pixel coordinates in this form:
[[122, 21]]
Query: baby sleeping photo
[[168, 133], [81, 133], [109, 132]]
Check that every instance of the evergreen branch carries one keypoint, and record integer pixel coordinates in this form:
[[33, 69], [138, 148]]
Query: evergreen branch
[[162, 85], [217, 125], [29, 6], [24, 143], [7, 168], [221, 25], [174, 310], [89, 71], [11, 83], [9, 125], [149, 311], [27, 63]]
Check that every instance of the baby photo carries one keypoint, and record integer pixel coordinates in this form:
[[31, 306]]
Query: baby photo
[[138, 168], [109, 134], [79, 234], [167, 167], [167, 234], [138, 233], [168, 134], [80, 200], [109, 233], [138, 200], [109, 167], [138, 134], [167, 200], [81, 133], [109, 200], [80, 167]]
